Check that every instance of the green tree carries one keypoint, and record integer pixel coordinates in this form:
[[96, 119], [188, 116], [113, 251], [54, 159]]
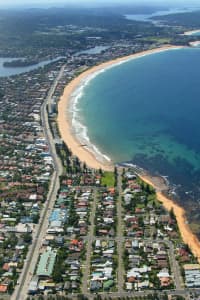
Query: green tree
[[27, 238]]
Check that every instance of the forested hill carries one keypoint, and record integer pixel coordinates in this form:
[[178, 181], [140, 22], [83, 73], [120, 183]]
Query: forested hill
[[191, 19], [68, 28]]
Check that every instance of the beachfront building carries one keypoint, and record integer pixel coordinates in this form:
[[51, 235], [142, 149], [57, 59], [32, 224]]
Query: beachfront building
[[192, 275], [46, 263]]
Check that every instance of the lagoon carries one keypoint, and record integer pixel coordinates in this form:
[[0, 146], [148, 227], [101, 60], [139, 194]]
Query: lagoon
[[5, 71]]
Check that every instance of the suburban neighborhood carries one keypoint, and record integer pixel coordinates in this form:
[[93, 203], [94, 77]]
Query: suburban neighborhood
[[69, 231]]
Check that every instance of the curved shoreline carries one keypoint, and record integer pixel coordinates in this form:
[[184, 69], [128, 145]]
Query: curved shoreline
[[191, 32], [89, 158], [194, 44], [64, 122], [187, 235]]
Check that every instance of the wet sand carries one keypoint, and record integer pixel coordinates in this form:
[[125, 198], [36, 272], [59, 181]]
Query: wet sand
[[191, 32], [83, 151]]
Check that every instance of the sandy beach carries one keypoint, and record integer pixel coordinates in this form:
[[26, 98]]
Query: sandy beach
[[83, 153], [64, 122], [191, 32], [188, 236], [195, 44]]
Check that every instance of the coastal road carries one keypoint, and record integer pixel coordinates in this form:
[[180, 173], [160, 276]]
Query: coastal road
[[21, 289]]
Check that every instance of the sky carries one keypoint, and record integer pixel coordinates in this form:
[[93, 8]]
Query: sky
[[35, 3]]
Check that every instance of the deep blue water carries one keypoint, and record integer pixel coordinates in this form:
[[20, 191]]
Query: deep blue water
[[147, 111]]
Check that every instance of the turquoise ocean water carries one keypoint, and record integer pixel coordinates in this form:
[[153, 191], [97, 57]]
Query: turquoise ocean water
[[147, 111], [197, 33]]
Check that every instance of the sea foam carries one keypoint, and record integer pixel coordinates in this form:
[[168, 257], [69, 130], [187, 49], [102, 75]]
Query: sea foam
[[78, 128]]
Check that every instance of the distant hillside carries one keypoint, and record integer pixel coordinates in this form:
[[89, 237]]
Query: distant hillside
[[191, 19]]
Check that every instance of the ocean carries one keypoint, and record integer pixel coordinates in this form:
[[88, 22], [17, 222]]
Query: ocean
[[146, 112]]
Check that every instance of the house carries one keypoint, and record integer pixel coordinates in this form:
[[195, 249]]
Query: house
[[3, 288], [143, 284], [97, 244], [67, 285], [6, 267], [33, 286], [95, 285], [130, 175], [135, 244], [192, 275], [127, 198], [129, 286], [164, 277]]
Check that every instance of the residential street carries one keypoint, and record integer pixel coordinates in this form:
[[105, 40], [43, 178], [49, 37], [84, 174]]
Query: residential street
[[120, 234], [90, 240]]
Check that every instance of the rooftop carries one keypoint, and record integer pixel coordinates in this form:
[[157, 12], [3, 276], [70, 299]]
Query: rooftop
[[46, 263]]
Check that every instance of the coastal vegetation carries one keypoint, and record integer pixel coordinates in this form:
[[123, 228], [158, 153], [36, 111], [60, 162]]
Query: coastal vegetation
[[61, 31], [186, 20], [19, 63]]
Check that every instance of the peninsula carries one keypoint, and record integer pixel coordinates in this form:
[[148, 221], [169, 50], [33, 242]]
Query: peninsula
[[19, 63]]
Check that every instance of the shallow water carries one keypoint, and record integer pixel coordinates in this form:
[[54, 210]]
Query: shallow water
[[147, 111]]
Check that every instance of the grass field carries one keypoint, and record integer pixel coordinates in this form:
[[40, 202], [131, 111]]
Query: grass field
[[108, 179], [158, 39]]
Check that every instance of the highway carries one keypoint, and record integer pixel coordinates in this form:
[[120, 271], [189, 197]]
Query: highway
[[21, 289]]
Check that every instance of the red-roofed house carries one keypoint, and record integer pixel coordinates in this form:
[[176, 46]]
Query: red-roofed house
[[3, 288]]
